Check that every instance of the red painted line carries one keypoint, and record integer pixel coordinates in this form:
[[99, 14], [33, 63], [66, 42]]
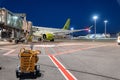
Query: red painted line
[[75, 50], [62, 69]]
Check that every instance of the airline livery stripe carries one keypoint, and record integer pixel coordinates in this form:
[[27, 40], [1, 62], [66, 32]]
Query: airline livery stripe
[[62, 69]]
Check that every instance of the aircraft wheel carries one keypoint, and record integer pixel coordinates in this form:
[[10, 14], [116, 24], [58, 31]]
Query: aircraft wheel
[[39, 39], [52, 40]]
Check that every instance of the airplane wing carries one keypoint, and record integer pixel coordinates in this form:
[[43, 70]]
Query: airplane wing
[[54, 31], [69, 31]]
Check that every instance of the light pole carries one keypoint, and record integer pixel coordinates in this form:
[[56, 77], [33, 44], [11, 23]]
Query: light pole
[[105, 21], [95, 18]]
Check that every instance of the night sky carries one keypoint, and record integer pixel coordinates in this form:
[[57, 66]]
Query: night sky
[[54, 13]]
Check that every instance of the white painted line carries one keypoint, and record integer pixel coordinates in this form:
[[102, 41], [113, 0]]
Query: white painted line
[[5, 48], [42, 45], [9, 52]]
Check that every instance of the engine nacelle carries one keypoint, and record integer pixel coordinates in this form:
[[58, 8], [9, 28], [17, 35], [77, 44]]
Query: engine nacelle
[[44, 36], [48, 36]]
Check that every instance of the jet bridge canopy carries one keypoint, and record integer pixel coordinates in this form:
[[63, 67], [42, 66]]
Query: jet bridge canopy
[[15, 23], [9, 19]]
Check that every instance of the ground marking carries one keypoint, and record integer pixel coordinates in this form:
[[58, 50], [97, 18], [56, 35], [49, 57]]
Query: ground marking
[[75, 50], [9, 52], [62, 69]]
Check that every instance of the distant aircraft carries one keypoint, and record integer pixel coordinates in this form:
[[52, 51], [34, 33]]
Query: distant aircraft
[[49, 33]]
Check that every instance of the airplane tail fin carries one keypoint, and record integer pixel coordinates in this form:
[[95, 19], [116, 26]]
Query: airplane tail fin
[[67, 24], [90, 27]]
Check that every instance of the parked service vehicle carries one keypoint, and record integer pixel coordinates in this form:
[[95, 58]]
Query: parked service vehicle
[[21, 39], [118, 38]]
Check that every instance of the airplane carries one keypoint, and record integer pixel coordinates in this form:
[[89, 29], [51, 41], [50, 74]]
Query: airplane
[[44, 33]]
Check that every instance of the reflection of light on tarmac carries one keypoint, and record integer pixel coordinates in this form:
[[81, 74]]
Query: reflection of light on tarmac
[[61, 44], [43, 45]]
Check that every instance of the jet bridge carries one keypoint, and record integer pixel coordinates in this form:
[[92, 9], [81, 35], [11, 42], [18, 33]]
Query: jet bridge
[[13, 25]]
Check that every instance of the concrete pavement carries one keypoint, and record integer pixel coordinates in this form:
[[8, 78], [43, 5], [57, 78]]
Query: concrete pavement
[[3, 43], [84, 60]]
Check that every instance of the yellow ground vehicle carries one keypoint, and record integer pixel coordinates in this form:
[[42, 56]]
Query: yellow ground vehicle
[[28, 64]]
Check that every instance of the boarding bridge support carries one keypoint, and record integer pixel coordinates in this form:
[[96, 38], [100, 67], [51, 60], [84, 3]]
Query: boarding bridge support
[[13, 33]]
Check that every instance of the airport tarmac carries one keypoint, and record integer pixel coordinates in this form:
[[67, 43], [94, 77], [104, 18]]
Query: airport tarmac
[[67, 60]]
